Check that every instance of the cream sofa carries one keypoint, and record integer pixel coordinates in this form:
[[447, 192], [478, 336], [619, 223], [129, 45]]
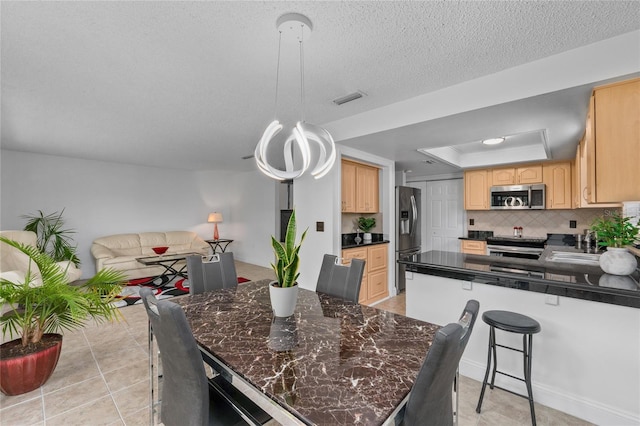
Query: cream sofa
[[14, 263], [120, 251]]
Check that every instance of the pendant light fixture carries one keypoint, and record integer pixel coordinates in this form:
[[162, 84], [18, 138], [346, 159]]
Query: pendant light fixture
[[298, 27]]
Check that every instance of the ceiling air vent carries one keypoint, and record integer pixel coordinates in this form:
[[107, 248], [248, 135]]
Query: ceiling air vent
[[348, 98]]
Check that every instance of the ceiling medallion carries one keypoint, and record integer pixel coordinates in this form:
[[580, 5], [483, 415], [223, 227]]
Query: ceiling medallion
[[298, 27]]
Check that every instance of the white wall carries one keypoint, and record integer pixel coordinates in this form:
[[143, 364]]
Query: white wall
[[253, 209], [103, 198], [315, 201]]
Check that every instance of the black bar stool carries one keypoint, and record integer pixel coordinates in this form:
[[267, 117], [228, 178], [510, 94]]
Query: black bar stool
[[513, 323]]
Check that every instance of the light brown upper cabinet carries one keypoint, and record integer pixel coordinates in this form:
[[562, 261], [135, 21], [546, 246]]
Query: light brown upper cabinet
[[476, 190], [580, 181], [366, 189], [516, 175], [348, 186], [360, 188], [557, 178], [613, 143]]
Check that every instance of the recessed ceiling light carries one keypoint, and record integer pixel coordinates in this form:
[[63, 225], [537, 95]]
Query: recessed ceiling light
[[493, 141]]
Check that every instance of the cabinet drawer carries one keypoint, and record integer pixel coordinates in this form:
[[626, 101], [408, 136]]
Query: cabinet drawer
[[377, 258], [377, 284], [474, 245], [356, 253]]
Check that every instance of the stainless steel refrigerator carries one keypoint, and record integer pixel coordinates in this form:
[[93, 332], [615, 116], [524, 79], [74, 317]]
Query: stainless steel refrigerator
[[407, 229]]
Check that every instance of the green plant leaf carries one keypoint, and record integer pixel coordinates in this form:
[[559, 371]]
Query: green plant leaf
[[52, 237], [366, 224], [287, 255], [614, 230]]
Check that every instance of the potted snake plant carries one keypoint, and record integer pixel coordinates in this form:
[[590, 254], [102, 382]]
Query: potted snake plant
[[284, 291], [38, 308]]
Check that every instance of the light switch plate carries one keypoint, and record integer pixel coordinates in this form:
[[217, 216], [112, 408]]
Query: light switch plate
[[551, 299]]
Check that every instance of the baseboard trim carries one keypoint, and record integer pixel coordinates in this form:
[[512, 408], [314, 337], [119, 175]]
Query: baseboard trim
[[591, 411]]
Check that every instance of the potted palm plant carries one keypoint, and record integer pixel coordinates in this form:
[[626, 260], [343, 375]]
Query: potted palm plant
[[615, 232], [53, 238], [38, 313], [284, 291]]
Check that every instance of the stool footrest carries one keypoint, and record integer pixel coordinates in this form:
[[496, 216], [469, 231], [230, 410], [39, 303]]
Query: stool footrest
[[509, 375], [512, 392], [509, 347]]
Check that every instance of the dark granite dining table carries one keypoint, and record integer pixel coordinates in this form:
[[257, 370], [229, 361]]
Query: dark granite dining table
[[331, 363]]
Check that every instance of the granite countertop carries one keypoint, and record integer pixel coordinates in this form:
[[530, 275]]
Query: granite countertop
[[363, 244], [564, 279], [348, 240], [477, 235], [331, 362]]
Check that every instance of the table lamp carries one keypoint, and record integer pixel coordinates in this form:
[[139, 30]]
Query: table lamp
[[215, 218]]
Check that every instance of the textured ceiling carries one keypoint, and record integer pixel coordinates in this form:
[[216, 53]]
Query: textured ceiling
[[191, 84]]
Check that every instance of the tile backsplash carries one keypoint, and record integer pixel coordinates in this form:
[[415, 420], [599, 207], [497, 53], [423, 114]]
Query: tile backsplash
[[349, 222], [534, 223]]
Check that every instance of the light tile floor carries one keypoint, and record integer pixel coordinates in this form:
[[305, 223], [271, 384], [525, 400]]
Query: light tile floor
[[102, 378]]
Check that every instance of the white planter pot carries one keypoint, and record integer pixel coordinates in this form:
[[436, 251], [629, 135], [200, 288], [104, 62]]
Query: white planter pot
[[283, 300], [366, 237], [618, 261]]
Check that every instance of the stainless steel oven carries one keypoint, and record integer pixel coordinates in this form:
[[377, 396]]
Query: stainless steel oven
[[523, 248]]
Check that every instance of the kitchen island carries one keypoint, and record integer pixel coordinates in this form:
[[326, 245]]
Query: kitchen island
[[586, 360]]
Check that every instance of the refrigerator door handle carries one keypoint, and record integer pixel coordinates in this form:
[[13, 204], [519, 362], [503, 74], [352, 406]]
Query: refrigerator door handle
[[414, 209]]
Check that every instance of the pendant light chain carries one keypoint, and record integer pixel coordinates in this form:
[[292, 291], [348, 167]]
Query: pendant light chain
[[302, 94]]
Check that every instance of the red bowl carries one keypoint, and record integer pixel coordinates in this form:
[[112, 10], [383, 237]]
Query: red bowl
[[159, 250]]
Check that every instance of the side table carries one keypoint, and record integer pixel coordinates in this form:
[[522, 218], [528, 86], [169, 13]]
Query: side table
[[218, 246]]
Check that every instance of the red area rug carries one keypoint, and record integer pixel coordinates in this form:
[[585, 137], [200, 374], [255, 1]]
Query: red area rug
[[165, 287]]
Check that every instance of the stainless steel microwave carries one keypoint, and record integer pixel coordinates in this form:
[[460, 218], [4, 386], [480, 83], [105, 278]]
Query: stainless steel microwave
[[518, 197]]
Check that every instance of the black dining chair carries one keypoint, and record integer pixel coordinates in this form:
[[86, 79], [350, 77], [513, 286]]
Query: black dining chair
[[215, 272], [339, 280], [430, 401], [188, 396]]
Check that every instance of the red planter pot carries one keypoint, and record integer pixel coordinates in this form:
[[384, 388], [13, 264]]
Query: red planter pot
[[23, 374]]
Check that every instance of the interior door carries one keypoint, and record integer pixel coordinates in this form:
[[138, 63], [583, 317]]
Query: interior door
[[444, 221]]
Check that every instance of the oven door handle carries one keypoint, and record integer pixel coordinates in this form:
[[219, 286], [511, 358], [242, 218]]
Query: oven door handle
[[511, 249]]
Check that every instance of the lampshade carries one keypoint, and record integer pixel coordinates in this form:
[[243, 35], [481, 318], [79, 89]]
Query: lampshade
[[215, 217]]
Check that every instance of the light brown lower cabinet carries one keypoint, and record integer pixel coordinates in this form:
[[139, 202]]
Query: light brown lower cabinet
[[473, 247], [374, 281]]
